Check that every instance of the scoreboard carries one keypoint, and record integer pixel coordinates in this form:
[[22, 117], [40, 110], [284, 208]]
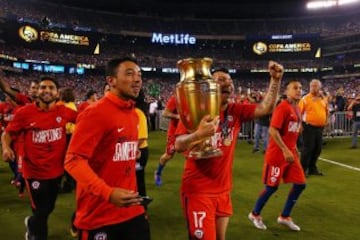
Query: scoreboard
[[290, 46], [39, 37]]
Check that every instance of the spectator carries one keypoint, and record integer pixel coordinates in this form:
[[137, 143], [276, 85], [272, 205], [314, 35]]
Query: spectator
[[314, 111], [355, 108]]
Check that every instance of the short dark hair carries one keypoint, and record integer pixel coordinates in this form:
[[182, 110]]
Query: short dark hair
[[49, 78], [112, 65], [224, 70], [90, 93], [67, 95], [291, 81]]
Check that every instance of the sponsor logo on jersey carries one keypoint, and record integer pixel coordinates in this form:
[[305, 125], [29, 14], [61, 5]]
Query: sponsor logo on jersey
[[47, 136], [273, 179], [125, 151], [100, 236], [35, 185], [199, 234], [294, 127], [58, 119]]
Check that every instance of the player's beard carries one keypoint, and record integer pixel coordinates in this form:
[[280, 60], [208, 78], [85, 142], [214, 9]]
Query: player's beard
[[46, 99]]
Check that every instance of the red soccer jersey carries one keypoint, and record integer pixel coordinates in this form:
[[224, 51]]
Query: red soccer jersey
[[106, 141], [7, 113], [285, 118], [22, 99], [214, 175], [171, 106], [82, 106], [44, 139]]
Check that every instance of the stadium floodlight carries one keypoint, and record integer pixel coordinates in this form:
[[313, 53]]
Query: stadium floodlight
[[343, 2], [328, 3], [321, 4]]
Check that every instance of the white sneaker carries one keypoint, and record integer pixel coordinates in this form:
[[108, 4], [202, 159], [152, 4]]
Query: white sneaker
[[27, 233], [257, 221], [287, 221]]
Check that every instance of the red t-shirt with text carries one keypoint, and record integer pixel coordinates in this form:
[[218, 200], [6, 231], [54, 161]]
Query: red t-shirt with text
[[44, 139], [286, 119]]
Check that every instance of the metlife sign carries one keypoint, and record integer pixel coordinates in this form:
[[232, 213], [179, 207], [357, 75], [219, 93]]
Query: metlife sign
[[173, 39]]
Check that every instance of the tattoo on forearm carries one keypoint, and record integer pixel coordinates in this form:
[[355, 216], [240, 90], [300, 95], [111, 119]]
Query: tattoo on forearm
[[271, 96]]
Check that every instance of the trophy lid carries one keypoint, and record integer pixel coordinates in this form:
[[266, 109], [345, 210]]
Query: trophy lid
[[192, 69]]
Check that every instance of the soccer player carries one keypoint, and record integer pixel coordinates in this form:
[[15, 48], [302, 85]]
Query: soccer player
[[102, 160], [206, 183], [20, 98], [171, 113], [7, 110], [282, 158], [91, 98], [43, 127]]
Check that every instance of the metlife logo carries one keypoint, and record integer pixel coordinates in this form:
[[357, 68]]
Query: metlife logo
[[175, 39]]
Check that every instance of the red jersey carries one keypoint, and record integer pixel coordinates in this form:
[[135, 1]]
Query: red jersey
[[285, 118], [214, 175], [6, 113], [22, 99], [171, 106], [104, 146], [44, 139], [82, 106]]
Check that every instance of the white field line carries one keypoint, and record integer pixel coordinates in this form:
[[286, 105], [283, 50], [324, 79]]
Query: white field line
[[339, 164]]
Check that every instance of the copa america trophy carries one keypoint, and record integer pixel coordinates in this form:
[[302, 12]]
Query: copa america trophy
[[197, 95]]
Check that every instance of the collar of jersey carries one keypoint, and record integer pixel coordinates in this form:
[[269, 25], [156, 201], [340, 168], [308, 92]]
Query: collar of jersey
[[119, 102]]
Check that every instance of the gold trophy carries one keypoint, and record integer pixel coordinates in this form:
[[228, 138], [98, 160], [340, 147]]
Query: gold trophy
[[198, 95]]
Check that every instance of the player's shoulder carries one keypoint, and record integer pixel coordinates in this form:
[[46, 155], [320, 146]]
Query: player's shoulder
[[31, 107], [96, 110], [284, 104]]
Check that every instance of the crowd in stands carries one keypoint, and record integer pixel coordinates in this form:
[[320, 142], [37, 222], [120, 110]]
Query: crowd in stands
[[163, 88], [115, 23], [226, 54], [162, 56]]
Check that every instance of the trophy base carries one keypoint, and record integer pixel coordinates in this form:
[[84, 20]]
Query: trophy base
[[208, 153]]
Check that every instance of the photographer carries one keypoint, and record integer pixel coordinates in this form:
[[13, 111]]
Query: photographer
[[355, 108]]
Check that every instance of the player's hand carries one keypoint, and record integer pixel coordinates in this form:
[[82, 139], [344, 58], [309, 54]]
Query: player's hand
[[207, 127], [138, 154], [288, 155], [124, 198], [276, 71], [8, 154]]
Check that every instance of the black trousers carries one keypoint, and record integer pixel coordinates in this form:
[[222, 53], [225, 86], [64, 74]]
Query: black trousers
[[137, 228], [69, 183], [140, 173], [43, 195], [311, 147], [153, 121]]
